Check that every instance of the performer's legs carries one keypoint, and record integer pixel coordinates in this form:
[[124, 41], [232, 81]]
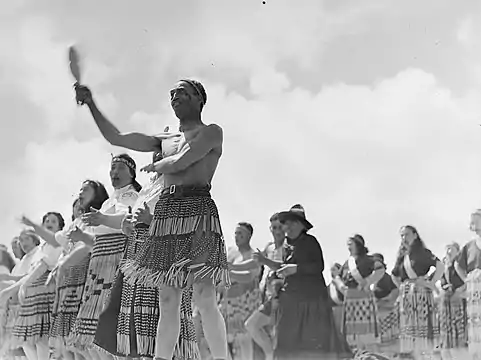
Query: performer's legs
[[104, 356], [168, 329], [30, 352], [256, 325], [43, 351], [212, 321]]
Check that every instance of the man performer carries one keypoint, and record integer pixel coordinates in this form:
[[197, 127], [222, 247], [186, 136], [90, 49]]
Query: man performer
[[185, 246]]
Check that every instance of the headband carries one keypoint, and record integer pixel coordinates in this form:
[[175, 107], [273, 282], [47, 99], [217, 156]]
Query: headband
[[129, 162], [197, 86]]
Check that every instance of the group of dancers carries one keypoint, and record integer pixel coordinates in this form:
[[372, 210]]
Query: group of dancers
[[145, 273]]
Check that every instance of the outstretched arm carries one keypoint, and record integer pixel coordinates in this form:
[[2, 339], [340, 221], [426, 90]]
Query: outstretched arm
[[210, 138], [133, 141], [45, 234]]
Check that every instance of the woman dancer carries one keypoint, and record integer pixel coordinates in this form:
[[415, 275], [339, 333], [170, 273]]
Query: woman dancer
[[386, 294], [71, 271], [108, 245], [306, 328], [128, 325], [468, 266], [243, 297], [452, 308], [36, 297], [418, 326], [359, 317], [9, 309]]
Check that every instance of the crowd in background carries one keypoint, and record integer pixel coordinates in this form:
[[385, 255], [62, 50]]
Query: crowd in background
[[64, 295]]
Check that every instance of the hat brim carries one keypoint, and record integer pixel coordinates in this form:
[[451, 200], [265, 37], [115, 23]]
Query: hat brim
[[289, 215]]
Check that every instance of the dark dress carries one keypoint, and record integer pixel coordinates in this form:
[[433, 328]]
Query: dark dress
[[306, 328]]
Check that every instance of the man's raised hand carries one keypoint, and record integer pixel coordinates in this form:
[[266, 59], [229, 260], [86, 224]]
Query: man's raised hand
[[83, 95]]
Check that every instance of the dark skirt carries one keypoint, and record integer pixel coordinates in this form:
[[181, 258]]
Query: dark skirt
[[185, 244], [306, 329], [128, 325]]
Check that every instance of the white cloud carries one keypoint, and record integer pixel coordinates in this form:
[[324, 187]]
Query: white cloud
[[360, 158]]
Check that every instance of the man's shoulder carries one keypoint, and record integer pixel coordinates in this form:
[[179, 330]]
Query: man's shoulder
[[213, 131]]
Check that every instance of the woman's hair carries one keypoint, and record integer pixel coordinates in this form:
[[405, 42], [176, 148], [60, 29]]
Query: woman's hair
[[61, 221], [132, 170], [360, 244], [100, 196], [31, 233], [416, 245], [73, 207]]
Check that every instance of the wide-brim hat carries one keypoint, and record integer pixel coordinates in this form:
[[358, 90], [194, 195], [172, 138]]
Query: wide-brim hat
[[296, 213]]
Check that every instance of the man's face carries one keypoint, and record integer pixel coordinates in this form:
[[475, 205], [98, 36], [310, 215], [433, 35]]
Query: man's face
[[242, 236], [277, 231], [184, 99]]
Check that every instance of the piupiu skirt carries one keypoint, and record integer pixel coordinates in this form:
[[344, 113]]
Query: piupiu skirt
[[104, 261], [68, 298], [185, 243], [128, 325], [32, 324], [419, 330]]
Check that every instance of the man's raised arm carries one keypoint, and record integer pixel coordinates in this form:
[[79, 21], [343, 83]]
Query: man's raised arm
[[134, 141]]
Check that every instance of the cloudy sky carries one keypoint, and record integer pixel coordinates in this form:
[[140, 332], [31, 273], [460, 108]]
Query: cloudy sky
[[366, 112]]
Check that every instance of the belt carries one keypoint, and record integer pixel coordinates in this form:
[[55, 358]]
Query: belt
[[180, 191]]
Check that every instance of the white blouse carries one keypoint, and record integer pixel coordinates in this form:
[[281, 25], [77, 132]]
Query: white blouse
[[119, 202]]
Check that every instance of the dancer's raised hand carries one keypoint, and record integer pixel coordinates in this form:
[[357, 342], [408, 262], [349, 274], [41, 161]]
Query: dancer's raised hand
[[26, 221], [83, 95]]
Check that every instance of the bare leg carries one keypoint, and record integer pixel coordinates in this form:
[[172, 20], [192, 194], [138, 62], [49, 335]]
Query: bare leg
[[43, 351], [246, 347], [104, 356], [212, 321], [168, 329], [93, 355], [30, 352], [255, 325], [67, 355], [79, 356]]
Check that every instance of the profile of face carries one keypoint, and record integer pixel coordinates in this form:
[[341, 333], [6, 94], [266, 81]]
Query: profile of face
[[451, 252], [277, 231], [407, 235], [475, 224], [292, 228], [242, 236], [16, 249], [120, 175], [27, 242], [352, 247], [51, 223], [184, 100], [76, 209], [86, 195]]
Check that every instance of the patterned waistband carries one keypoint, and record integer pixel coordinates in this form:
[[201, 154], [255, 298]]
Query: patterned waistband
[[182, 191]]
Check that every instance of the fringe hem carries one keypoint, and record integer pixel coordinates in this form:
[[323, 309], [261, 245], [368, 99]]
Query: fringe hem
[[80, 342], [186, 350], [177, 276]]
